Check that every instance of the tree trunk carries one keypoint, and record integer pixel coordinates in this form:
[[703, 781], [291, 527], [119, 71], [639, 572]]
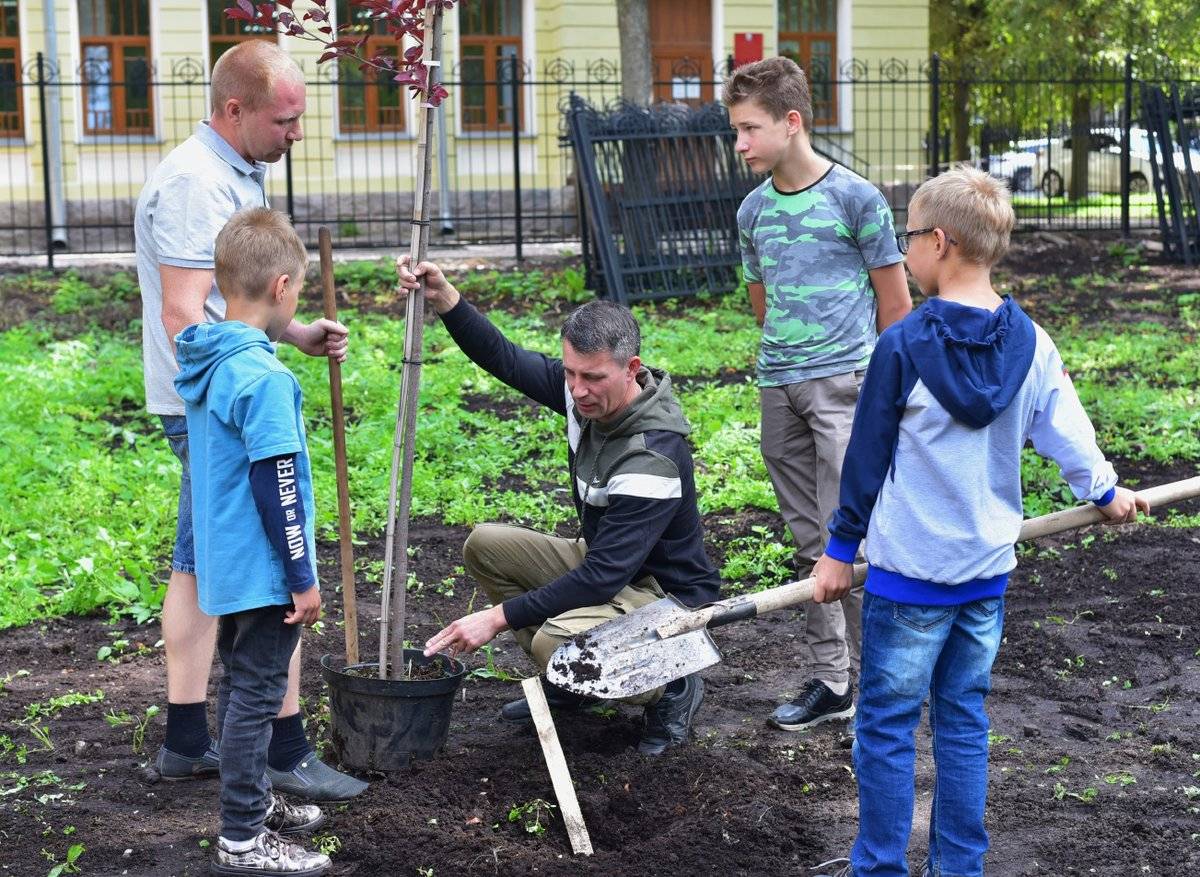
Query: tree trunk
[[1081, 123], [633, 25], [960, 109]]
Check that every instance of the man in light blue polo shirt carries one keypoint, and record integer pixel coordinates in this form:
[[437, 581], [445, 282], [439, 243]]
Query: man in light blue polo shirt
[[257, 100]]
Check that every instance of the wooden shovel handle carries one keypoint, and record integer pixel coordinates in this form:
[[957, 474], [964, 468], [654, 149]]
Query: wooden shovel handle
[[349, 598], [750, 605], [1081, 516]]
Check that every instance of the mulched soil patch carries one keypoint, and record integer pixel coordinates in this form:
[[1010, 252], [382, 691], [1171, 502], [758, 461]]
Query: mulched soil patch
[[1096, 683], [1104, 288]]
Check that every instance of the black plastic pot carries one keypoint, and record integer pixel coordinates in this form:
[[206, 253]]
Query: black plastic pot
[[383, 724]]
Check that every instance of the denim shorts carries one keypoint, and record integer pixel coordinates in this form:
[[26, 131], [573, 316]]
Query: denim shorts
[[183, 557]]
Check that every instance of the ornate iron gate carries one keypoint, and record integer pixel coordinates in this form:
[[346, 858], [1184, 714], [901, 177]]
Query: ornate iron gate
[[661, 187]]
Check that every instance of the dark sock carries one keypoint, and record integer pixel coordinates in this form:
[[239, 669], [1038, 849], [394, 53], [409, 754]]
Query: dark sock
[[187, 729], [288, 744]]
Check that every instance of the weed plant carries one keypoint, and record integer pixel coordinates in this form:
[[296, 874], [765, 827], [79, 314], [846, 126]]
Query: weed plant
[[88, 484]]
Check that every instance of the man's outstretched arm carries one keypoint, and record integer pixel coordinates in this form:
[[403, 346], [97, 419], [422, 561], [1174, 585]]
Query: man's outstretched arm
[[538, 376]]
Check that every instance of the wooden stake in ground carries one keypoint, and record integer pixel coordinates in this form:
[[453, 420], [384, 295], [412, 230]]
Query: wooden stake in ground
[[560, 776], [395, 576], [349, 598]]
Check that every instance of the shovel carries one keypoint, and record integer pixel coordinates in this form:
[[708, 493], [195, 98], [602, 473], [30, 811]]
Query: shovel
[[665, 640], [349, 599]]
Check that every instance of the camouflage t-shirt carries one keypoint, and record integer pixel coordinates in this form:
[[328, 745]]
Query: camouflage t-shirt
[[812, 250]]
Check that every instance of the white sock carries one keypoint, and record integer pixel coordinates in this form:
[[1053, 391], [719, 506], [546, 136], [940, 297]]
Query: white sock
[[237, 846], [839, 689]]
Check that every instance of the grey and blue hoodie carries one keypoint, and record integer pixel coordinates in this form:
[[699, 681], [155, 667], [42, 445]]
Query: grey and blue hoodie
[[932, 474]]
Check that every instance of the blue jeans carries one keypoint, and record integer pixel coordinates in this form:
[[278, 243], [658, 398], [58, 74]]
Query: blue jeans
[[183, 558], [909, 653], [255, 647]]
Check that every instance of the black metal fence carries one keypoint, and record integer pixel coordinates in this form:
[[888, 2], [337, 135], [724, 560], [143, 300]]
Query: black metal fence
[[1173, 121], [1026, 124], [893, 121], [661, 189]]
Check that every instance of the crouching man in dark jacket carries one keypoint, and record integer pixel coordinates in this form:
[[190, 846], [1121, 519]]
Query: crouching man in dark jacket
[[631, 478]]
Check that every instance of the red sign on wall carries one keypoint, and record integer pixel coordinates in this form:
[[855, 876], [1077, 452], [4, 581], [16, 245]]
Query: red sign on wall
[[747, 47]]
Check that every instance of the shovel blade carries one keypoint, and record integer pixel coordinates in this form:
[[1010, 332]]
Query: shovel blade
[[626, 657]]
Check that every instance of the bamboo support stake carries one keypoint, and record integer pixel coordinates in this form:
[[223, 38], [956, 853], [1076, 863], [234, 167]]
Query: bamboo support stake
[[349, 598], [392, 615]]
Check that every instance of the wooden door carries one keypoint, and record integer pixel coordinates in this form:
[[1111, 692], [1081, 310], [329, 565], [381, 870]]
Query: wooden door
[[681, 50]]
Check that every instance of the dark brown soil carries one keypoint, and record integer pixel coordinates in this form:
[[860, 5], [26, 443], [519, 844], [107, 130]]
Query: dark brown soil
[[1095, 707], [1095, 688], [413, 673]]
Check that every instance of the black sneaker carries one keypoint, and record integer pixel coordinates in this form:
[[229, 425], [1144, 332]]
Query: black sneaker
[[559, 699], [668, 722], [286, 818], [815, 704]]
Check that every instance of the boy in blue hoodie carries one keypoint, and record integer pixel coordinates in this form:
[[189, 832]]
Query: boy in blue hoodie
[[932, 481], [253, 523]]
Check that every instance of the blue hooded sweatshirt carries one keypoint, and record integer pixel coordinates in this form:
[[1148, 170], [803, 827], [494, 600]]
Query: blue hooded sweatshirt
[[243, 405], [932, 473]]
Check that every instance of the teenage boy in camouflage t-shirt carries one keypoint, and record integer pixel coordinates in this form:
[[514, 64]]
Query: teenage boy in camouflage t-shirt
[[825, 277]]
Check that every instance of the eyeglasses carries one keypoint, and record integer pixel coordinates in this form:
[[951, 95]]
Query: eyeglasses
[[903, 236]]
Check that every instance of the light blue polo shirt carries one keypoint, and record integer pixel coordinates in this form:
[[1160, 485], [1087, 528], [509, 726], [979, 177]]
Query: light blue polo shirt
[[190, 196]]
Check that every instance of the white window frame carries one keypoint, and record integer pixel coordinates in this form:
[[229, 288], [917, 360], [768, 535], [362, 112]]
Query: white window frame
[[27, 104], [340, 136], [845, 91], [528, 58], [82, 138]]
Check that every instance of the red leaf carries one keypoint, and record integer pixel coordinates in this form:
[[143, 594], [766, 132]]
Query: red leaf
[[246, 6], [238, 15]]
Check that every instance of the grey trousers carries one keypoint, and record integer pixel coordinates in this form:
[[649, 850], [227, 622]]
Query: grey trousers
[[508, 561], [805, 430]]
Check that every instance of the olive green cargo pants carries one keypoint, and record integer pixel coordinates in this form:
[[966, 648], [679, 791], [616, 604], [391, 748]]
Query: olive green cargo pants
[[509, 561]]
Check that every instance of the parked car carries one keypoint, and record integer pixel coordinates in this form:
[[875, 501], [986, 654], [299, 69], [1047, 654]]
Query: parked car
[[1104, 165], [1016, 167], [1026, 168], [1139, 147]]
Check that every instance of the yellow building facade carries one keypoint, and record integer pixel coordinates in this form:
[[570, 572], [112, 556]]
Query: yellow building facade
[[125, 81]]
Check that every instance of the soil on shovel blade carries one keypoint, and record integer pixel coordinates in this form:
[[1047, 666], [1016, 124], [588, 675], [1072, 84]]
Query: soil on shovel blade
[[1095, 743]]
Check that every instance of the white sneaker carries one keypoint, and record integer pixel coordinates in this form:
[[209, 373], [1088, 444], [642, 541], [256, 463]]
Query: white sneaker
[[270, 854]]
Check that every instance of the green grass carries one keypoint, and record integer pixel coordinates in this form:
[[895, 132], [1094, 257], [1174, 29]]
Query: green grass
[[1138, 383], [88, 484], [1094, 206]]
